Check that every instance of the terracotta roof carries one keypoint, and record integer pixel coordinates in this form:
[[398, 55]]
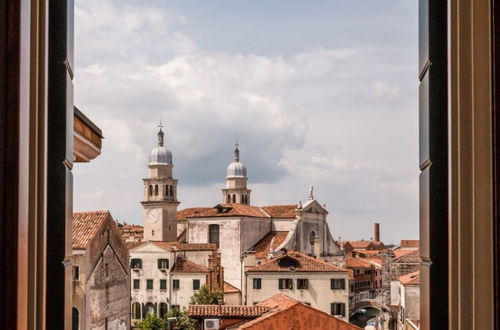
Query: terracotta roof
[[400, 252], [351, 262], [281, 211], [136, 231], [228, 288], [131, 245], [378, 261], [85, 226], [183, 265], [410, 279], [227, 311], [190, 212], [279, 302], [360, 244], [410, 243], [262, 248], [368, 252], [287, 313], [177, 246], [303, 263], [231, 210], [412, 257]]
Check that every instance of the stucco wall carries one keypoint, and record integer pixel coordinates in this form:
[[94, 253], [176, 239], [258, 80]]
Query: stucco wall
[[79, 287], [183, 295], [107, 294], [318, 294], [412, 302], [149, 254], [252, 231], [229, 236]]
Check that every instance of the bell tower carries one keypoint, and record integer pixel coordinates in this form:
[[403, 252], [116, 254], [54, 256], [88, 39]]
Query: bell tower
[[236, 191], [160, 195]]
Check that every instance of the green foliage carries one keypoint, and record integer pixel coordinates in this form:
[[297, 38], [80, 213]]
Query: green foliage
[[182, 319], [205, 297], [153, 322]]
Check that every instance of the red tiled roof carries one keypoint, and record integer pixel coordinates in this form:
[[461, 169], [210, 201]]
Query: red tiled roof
[[131, 245], [228, 288], [190, 212], [279, 302], [183, 265], [281, 211], [304, 263], [368, 252], [401, 252], [287, 313], [227, 311], [177, 246], [410, 279], [136, 231], [262, 248], [351, 262], [231, 210], [412, 257], [410, 243], [85, 226], [360, 244]]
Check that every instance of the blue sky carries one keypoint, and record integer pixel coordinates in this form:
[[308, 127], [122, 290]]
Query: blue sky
[[317, 92]]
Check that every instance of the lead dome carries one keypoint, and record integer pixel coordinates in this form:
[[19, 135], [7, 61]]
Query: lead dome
[[236, 169], [160, 155]]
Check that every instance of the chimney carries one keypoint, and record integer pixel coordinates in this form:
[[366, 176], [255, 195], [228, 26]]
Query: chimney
[[376, 232], [317, 247]]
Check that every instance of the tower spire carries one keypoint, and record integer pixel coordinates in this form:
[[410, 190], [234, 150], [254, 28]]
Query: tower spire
[[160, 135], [236, 151]]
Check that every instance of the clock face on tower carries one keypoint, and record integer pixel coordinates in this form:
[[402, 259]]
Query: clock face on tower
[[153, 215]]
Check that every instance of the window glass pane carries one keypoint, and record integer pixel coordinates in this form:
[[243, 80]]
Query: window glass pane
[[149, 284], [257, 283], [175, 284], [163, 284], [137, 284], [163, 263], [196, 284]]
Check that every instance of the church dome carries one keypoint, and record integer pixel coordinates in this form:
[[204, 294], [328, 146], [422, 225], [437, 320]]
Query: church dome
[[236, 169], [160, 155]]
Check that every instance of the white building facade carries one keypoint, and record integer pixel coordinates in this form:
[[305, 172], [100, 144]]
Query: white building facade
[[154, 280], [306, 279]]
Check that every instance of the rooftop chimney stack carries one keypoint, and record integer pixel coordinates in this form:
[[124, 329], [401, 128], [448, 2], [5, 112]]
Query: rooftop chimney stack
[[376, 232]]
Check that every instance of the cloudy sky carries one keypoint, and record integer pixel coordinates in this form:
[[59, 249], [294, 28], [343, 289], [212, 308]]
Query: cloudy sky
[[317, 92]]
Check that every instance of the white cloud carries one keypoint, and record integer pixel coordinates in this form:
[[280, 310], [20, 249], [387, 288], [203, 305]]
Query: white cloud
[[327, 117]]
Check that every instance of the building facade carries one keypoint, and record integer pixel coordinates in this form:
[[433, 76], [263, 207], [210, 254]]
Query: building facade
[[163, 275], [306, 279], [101, 276]]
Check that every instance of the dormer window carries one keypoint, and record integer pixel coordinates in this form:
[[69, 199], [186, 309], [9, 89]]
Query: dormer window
[[136, 263], [288, 262]]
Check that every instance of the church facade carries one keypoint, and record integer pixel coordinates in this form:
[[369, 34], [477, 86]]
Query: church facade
[[235, 226]]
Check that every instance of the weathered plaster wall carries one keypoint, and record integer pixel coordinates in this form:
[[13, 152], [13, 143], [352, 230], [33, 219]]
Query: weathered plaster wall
[[107, 294], [149, 254], [229, 245], [182, 296], [319, 294], [252, 231], [79, 287]]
